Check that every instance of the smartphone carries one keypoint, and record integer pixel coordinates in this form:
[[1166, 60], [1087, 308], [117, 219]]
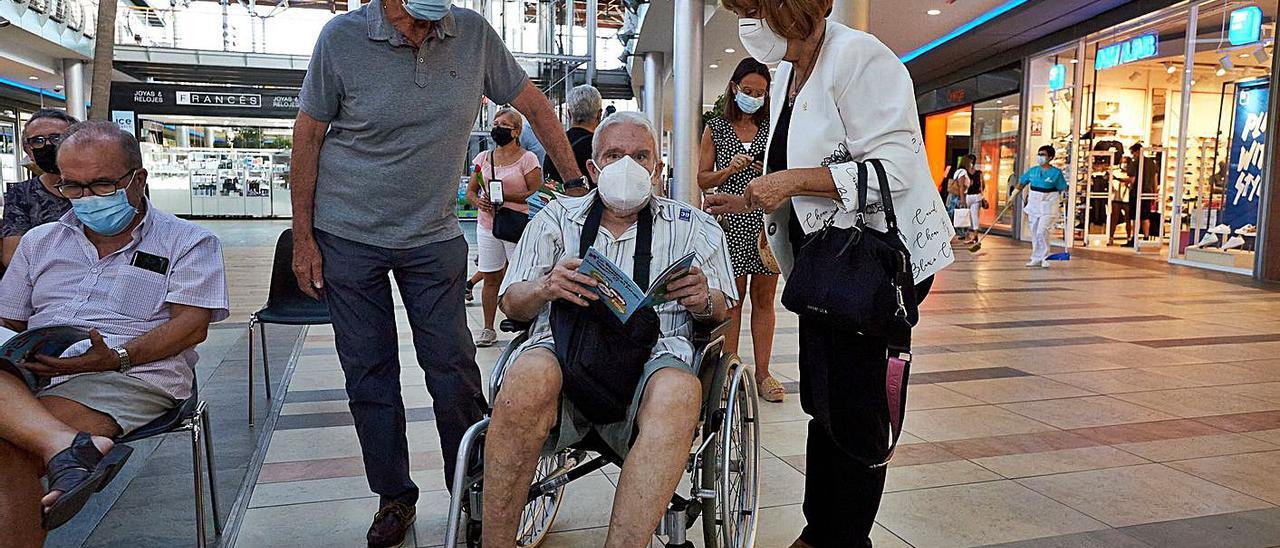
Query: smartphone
[[495, 192]]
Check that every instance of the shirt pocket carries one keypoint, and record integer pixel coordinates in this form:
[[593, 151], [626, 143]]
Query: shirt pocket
[[139, 293]]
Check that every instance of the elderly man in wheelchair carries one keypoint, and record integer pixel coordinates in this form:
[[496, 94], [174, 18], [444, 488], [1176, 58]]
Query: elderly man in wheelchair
[[579, 381]]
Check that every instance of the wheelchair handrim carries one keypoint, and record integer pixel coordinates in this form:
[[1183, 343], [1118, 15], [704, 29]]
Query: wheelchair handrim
[[537, 516], [738, 487]]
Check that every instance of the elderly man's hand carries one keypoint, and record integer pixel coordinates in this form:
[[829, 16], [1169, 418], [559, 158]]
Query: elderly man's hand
[[99, 357], [692, 291], [723, 204], [308, 265], [565, 282]]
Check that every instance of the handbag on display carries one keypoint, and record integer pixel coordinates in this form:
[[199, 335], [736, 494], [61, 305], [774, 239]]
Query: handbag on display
[[601, 358], [508, 224], [960, 218], [856, 278]]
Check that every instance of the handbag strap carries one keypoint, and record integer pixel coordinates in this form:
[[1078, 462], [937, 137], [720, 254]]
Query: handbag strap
[[886, 197], [644, 240]]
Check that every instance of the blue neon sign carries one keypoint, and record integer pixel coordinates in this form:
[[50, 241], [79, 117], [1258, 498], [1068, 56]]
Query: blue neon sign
[[1128, 51], [1245, 26], [1057, 77]]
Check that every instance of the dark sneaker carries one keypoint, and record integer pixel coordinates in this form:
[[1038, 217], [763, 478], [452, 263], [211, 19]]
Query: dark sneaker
[[390, 525]]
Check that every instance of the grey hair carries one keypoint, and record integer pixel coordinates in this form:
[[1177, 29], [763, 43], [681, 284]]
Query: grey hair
[[50, 114], [512, 111], [584, 104], [629, 117], [104, 130]]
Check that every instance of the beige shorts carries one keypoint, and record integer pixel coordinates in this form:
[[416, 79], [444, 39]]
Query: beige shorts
[[128, 401]]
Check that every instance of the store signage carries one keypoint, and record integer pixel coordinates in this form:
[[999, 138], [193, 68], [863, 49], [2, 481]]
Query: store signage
[[1245, 26], [250, 100], [220, 101], [126, 120], [1057, 77], [1248, 154], [1128, 51]]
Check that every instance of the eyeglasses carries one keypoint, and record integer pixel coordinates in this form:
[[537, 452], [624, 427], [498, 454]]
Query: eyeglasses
[[72, 190], [39, 141]]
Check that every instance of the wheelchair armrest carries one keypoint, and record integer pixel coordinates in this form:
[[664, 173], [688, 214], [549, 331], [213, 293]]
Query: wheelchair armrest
[[704, 333], [513, 326]]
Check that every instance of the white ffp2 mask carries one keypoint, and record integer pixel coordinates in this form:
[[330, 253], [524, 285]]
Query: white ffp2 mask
[[761, 42], [625, 185]]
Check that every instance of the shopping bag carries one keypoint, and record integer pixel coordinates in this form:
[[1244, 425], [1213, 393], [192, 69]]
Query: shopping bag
[[960, 219]]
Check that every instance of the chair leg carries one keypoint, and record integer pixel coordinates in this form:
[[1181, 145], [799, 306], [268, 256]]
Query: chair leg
[[252, 320], [213, 475], [266, 365], [198, 478]]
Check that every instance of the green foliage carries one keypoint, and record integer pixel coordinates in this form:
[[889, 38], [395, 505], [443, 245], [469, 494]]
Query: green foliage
[[716, 110]]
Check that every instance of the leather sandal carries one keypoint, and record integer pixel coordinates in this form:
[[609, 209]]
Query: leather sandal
[[78, 472], [771, 390]]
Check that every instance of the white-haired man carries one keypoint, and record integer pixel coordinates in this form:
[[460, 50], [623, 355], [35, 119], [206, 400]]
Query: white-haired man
[[585, 106], [654, 436]]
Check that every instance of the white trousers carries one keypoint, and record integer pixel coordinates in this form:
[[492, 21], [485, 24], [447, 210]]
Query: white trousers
[[1042, 212], [974, 202]]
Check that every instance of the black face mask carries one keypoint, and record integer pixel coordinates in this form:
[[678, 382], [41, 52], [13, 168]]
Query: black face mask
[[502, 135], [47, 158]]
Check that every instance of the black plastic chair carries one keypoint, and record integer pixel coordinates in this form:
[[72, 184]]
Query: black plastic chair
[[190, 415], [286, 305]]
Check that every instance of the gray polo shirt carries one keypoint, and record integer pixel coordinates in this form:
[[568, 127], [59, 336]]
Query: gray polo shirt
[[399, 119]]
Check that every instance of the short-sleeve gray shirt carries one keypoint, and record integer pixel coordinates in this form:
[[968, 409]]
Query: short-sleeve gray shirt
[[399, 120]]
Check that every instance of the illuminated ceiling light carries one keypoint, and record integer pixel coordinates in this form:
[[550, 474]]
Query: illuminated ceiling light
[[1074, 61], [33, 77], [999, 102], [730, 50], [934, 12], [713, 66], [1170, 68]]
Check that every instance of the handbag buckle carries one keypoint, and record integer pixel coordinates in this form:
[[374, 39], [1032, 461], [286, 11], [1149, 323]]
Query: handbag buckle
[[902, 303]]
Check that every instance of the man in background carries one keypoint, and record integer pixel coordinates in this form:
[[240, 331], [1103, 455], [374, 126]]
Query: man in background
[[585, 107]]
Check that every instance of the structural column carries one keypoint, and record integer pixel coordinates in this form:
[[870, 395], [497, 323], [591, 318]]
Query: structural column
[[687, 98], [184, 136], [73, 86], [854, 14], [654, 70], [593, 21]]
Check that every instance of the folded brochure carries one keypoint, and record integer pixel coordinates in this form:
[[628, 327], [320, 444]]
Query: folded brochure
[[620, 293], [19, 348]]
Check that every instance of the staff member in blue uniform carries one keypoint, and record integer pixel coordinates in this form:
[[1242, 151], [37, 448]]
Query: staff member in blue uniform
[[1041, 204]]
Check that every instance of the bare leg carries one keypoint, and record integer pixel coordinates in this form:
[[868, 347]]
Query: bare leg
[[523, 415], [763, 318], [735, 319], [489, 295], [666, 419], [20, 493]]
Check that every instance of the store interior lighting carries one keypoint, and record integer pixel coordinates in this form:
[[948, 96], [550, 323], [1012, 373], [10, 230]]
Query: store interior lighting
[[1170, 68], [1261, 56]]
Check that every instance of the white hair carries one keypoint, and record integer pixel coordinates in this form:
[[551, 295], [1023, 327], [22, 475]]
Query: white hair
[[630, 117], [584, 103]]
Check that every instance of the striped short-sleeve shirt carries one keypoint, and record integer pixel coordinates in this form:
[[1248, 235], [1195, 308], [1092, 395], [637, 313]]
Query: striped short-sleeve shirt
[[678, 229], [57, 278]]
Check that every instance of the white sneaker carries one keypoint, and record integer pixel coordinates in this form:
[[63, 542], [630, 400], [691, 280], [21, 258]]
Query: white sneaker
[[1044, 264], [1207, 240], [1220, 229], [1233, 242], [1247, 230], [487, 338], [1033, 264]]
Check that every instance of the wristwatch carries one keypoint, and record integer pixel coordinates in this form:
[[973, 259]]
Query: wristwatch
[[122, 357], [708, 310]]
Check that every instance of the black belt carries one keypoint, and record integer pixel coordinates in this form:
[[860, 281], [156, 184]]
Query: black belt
[[1044, 191]]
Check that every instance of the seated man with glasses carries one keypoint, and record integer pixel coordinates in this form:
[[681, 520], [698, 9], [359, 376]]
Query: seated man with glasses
[[145, 284], [36, 201]]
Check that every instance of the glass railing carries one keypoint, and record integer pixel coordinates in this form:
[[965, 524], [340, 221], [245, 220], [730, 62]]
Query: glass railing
[[79, 15], [208, 26]]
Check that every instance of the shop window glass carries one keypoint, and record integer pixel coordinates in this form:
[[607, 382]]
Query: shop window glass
[[1051, 86], [995, 143], [1226, 142]]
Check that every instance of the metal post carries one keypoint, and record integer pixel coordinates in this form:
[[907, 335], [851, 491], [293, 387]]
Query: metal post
[[226, 31], [593, 16], [855, 14], [184, 136], [653, 90], [687, 78], [1073, 152], [73, 86], [570, 22], [1179, 178]]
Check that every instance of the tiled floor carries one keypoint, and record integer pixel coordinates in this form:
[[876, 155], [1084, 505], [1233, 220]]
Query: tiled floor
[[1107, 401]]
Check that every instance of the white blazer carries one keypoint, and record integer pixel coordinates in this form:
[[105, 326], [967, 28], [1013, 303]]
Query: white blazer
[[859, 104]]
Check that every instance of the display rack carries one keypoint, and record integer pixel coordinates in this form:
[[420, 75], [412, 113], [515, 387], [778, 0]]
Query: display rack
[[212, 182]]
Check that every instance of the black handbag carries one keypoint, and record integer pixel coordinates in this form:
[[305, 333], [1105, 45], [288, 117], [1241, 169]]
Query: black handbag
[[508, 224], [856, 278], [601, 358]]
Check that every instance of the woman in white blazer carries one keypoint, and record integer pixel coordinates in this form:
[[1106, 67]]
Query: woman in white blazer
[[840, 97]]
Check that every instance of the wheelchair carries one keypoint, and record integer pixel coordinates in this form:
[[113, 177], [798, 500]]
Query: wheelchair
[[723, 465]]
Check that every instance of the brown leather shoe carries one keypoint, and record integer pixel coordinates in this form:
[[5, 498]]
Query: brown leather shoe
[[800, 543], [390, 525]]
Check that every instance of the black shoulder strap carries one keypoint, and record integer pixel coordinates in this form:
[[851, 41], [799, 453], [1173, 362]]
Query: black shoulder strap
[[886, 197], [644, 244], [862, 194], [644, 240]]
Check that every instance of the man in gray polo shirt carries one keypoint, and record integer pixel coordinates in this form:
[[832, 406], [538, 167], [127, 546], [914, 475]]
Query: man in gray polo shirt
[[379, 143]]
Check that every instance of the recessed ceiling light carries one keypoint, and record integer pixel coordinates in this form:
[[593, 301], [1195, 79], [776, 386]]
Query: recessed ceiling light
[[57, 87], [934, 12], [730, 50], [1244, 55], [999, 102], [1074, 61], [33, 77], [713, 66]]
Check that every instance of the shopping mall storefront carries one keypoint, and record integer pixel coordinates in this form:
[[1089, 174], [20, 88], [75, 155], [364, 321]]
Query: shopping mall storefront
[[1199, 108]]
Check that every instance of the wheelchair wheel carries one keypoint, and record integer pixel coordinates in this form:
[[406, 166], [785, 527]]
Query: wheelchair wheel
[[540, 513], [730, 466]]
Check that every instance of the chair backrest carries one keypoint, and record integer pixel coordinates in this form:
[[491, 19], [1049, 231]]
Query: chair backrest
[[284, 284]]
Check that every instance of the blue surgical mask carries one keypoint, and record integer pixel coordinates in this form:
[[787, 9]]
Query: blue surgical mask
[[106, 215], [1044, 160], [427, 10], [747, 103]]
